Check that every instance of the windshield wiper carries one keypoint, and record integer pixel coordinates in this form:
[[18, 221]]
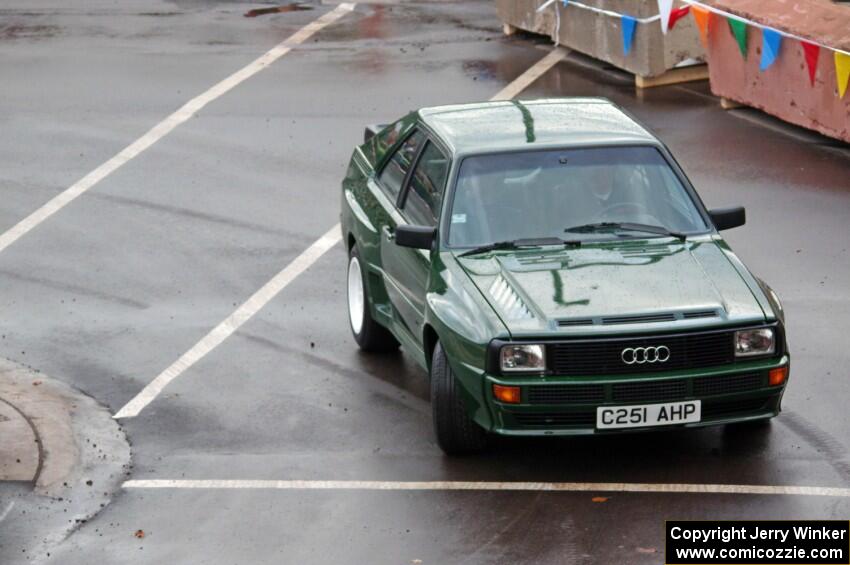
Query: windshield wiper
[[629, 226], [518, 244]]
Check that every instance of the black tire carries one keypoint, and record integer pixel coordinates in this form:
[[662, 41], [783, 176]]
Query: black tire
[[371, 336], [456, 432]]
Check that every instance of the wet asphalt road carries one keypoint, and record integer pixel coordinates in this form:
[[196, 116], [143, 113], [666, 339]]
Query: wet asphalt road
[[112, 289]]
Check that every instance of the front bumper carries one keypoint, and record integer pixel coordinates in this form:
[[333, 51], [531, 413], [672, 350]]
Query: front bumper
[[567, 406]]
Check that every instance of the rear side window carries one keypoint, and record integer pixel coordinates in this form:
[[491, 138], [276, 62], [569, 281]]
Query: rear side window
[[422, 202], [386, 138], [396, 169]]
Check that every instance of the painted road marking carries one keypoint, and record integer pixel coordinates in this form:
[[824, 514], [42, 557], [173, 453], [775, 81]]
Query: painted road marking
[[165, 127], [532, 74], [226, 328], [489, 486], [232, 323], [6, 511]]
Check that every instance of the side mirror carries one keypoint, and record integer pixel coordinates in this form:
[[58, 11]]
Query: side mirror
[[418, 237], [728, 218]]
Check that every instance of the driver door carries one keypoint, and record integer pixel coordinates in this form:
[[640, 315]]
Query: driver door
[[392, 178], [408, 269]]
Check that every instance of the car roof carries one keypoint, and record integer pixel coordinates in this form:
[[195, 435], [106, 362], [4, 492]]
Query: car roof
[[487, 127]]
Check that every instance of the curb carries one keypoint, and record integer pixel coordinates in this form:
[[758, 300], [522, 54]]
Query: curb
[[20, 451], [73, 458]]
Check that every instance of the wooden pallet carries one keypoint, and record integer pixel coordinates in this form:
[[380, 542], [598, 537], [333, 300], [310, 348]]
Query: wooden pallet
[[674, 76], [509, 30], [728, 104]]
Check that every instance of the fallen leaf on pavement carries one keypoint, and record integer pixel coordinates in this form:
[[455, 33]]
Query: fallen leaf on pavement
[[599, 499], [139, 534]]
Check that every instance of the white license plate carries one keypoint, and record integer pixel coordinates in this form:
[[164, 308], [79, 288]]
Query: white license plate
[[668, 414]]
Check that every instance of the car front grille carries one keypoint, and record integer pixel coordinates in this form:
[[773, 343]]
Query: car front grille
[[645, 391], [732, 407], [555, 419], [659, 391], [728, 384], [605, 357], [566, 394]]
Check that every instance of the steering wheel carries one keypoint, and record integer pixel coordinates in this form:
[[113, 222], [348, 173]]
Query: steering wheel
[[636, 209]]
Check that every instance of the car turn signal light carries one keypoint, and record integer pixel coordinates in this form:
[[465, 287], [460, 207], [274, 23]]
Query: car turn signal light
[[777, 376], [507, 394]]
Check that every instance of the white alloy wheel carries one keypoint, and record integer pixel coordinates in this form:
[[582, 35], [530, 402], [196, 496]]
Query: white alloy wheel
[[356, 297]]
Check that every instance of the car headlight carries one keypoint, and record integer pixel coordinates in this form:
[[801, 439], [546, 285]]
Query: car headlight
[[749, 343], [524, 357]]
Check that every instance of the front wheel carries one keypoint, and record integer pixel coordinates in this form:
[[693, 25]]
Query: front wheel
[[456, 432], [369, 334]]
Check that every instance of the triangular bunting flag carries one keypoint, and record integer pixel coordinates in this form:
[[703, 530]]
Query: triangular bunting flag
[[701, 18], [812, 53], [664, 9], [842, 72], [739, 30], [677, 15], [627, 25], [770, 42]]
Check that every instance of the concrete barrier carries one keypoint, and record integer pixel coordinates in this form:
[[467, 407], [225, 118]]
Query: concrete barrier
[[784, 89], [653, 54]]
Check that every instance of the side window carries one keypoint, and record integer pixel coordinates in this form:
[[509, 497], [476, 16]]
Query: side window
[[422, 202], [386, 138], [394, 172]]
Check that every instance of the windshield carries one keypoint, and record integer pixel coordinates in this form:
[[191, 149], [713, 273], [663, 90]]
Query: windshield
[[540, 194]]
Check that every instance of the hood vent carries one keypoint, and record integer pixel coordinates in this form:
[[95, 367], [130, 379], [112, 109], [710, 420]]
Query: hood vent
[[638, 318], [509, 301], [700, 314], [576, 322]]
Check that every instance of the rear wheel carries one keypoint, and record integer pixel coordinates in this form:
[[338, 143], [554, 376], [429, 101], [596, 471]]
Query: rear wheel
[[369, 334], [456, 432]]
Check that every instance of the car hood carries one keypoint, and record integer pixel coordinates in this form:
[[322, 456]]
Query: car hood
[[616, 287]]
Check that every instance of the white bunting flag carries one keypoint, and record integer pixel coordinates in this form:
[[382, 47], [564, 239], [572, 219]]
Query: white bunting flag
[[664, 9]]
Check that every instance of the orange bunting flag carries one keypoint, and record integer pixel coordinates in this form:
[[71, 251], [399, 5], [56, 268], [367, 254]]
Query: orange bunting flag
[[701, 18], [842, 72]]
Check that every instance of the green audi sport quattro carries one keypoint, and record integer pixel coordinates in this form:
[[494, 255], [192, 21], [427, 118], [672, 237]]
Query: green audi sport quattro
[[552, 268]]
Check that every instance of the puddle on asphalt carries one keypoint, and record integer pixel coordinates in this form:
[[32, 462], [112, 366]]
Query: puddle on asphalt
[[277, 10]]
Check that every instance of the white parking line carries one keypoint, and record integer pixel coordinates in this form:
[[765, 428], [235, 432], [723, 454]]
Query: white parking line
[[533, 73], [6, 511], [489, 486], [282, 279], [230, 324], [165, 127]]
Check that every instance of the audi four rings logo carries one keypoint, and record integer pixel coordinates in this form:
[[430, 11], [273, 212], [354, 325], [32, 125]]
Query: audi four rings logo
[[641, 355]]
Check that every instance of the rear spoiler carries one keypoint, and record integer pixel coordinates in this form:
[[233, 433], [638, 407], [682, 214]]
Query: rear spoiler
[[372, 130]]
